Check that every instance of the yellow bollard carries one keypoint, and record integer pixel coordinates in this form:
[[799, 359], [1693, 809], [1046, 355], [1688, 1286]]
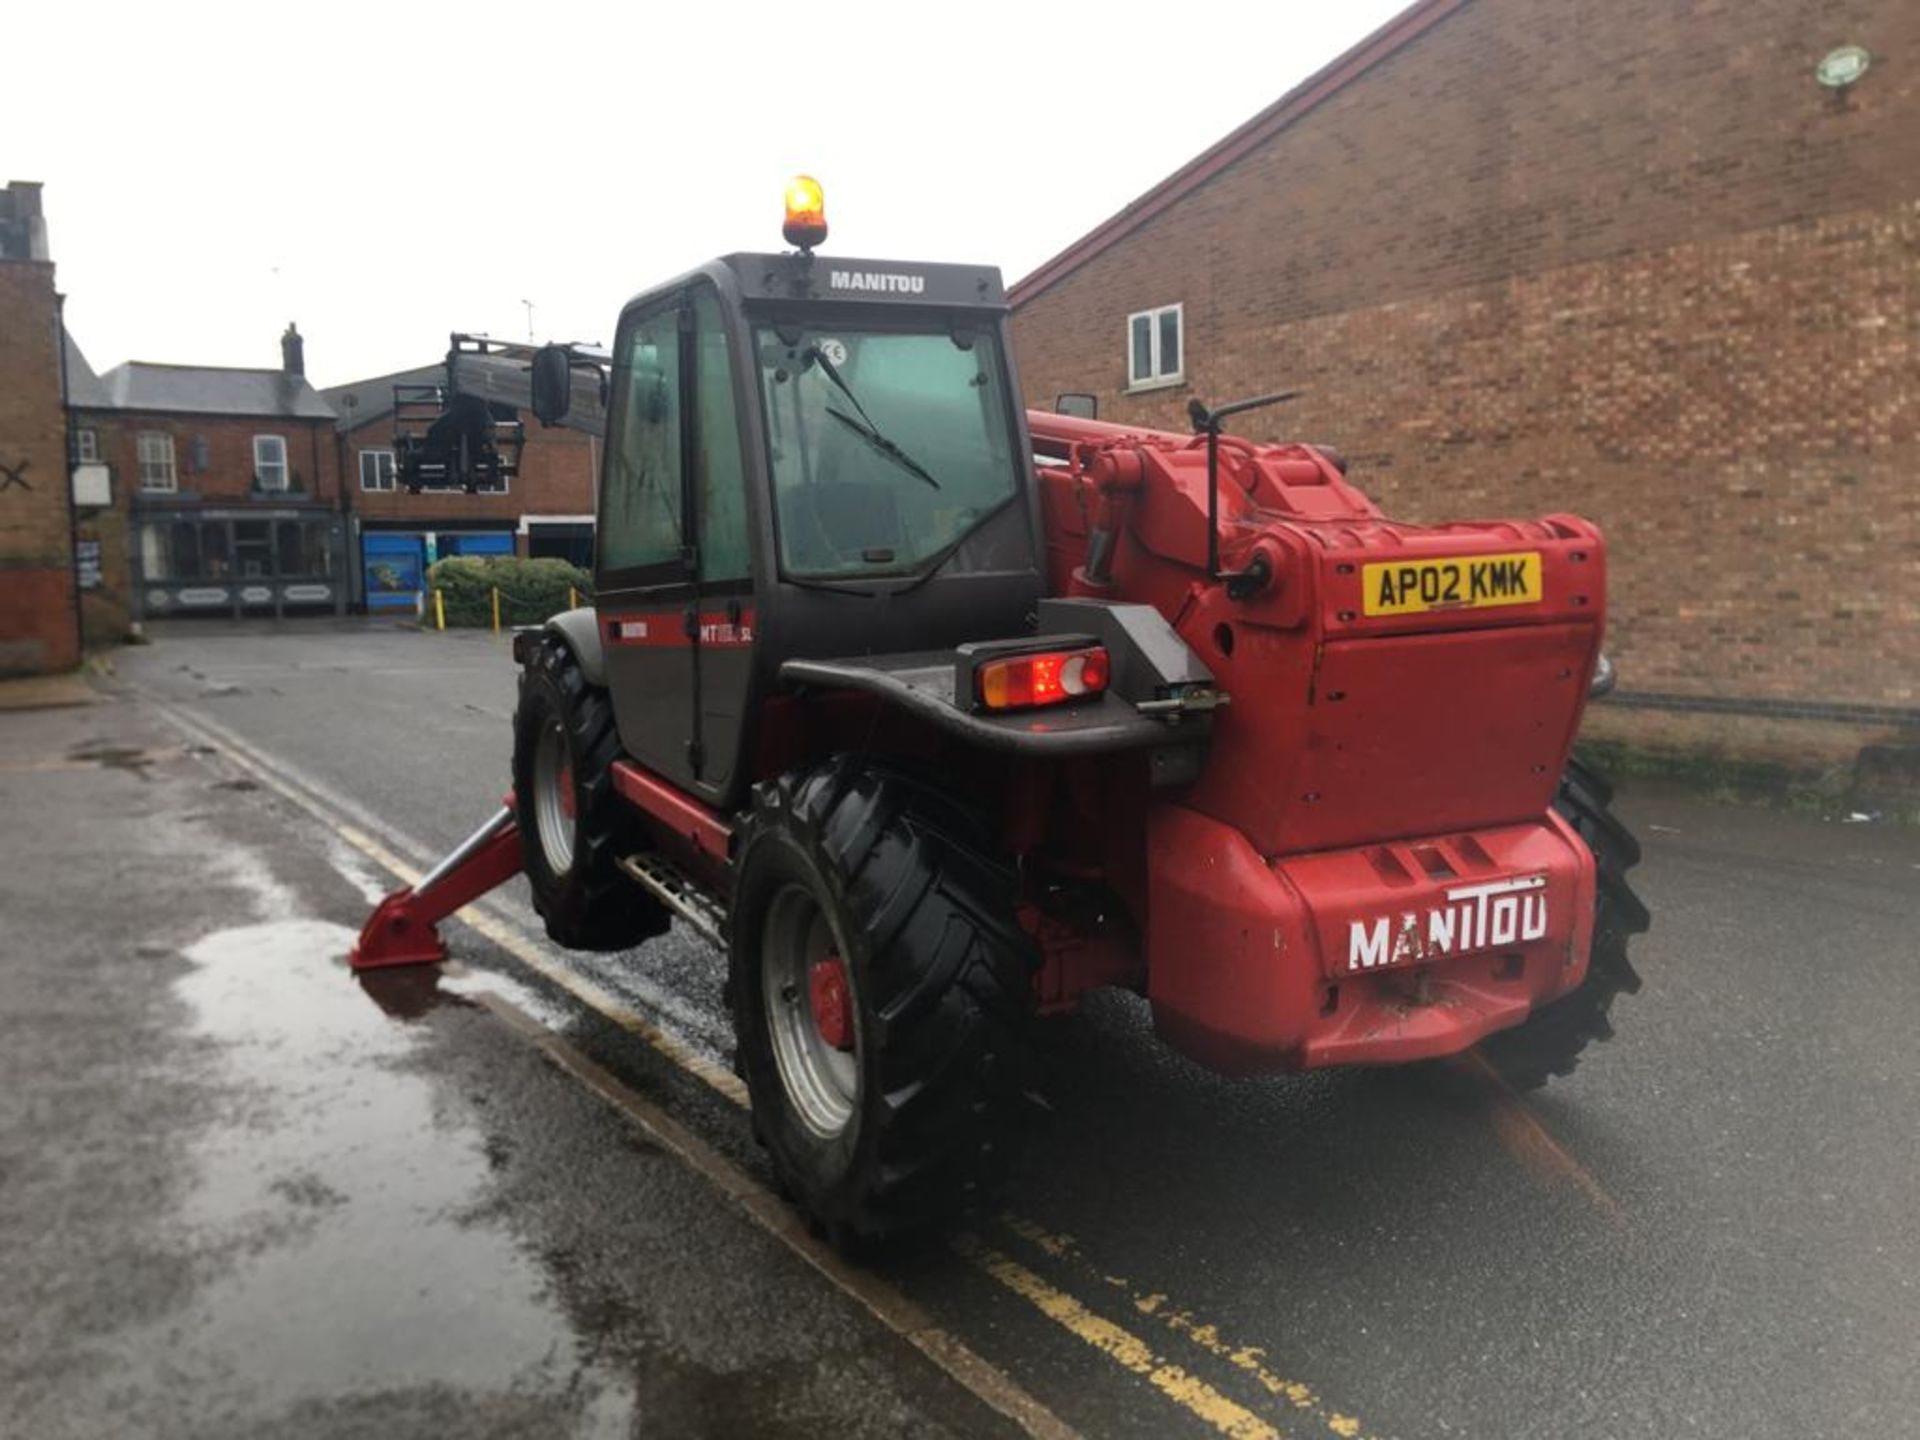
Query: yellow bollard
[[573, 598], [496, 609], [439, 610]]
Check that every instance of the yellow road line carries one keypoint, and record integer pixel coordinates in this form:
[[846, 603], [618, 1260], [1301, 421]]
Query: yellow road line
[[1190, 1392], [773, 1215], [499, 931], [1186, 1390], [1249, 1359], [893, 1310], [595, 997]]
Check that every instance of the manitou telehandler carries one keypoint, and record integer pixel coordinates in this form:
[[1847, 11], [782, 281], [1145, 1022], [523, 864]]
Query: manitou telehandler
[[936, 713]]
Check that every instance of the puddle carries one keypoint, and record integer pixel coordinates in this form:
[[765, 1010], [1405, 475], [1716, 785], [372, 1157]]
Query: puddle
[[246, 871], [383, 1287], [354, 868], [405, 992], [465, 982], [337, 1199]]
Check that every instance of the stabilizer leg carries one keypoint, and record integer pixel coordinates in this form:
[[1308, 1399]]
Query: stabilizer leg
[[403, 928]]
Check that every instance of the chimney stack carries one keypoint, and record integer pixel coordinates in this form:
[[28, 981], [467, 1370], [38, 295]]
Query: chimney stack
[[23, 229], [293, 352]]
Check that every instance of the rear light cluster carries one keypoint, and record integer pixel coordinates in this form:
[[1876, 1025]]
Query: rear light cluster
[[1048, 677]]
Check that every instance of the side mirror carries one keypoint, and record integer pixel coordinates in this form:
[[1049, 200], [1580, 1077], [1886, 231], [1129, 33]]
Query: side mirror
[[1077, 404], [552, 384]]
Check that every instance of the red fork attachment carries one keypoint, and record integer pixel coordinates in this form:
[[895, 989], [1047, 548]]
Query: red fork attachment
[[402, 929]]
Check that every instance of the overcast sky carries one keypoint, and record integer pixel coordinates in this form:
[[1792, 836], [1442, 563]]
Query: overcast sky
[[386, 174]]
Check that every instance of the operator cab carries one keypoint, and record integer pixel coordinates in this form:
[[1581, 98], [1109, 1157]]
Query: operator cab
[[805, 458]]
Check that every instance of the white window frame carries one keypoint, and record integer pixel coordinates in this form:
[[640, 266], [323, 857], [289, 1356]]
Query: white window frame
[[1156, 378], [157, 471], [392, 478], [86, 446], [261, 466]]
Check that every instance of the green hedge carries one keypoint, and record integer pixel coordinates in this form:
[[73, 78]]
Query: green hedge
[[530, 590]]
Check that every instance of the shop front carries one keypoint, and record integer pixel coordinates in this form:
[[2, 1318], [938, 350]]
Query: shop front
[[395, 562], [241, 561]]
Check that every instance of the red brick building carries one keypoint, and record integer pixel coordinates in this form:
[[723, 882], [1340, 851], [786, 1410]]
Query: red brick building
[[39, 601], [545, 509], [1657, 264], [231, 478]]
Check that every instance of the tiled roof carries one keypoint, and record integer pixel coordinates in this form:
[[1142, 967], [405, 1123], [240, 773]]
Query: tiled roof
[[211, 390]]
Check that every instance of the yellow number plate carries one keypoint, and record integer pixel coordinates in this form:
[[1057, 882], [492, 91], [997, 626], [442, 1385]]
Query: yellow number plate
[[1410, 587]]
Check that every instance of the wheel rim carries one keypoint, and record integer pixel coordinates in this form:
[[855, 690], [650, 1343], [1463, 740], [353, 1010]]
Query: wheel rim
[[798, 953], [553, 804]]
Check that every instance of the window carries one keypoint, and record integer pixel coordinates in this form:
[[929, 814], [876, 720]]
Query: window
[[722, 484], [184, 550], [86, 447], [1154, 348], [156, 461], [888, 483], [640, 513], [303, 548], [376, 469], [169, 551], [253, 549], [270, 462]]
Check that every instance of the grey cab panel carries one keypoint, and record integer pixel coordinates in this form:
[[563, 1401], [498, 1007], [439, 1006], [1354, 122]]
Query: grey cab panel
[[804, 459]]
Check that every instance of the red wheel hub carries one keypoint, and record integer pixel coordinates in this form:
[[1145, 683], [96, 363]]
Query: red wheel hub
[[832, 1001], [567, 801]]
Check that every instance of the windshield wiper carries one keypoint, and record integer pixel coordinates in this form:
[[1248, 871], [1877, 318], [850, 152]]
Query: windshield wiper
[[868, 431], [884, 446]]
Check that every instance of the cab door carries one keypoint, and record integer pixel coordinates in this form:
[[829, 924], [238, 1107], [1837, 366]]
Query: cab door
[[674, 577], [643, 581], [724, 638]]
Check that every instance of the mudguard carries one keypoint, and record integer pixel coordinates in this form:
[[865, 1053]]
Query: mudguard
[[580, 629], [1161, 698]]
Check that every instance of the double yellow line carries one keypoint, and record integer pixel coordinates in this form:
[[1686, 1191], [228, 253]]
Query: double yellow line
[[1202, 1401]]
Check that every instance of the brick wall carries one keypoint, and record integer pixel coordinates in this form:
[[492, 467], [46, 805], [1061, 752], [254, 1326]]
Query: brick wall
[[38, 625], [312, 459], [558, 472], [1625, 259]]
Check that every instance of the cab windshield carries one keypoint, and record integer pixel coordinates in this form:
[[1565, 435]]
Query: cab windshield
[[888, 446]]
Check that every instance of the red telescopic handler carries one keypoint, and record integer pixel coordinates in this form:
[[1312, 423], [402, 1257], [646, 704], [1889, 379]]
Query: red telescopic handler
[[933, 713]]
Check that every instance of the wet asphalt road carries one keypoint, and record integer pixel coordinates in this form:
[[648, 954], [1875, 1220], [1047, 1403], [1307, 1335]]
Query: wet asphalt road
[[241, 1196], [247, 1208]]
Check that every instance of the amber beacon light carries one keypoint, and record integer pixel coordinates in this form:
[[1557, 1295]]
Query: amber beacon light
[[806, 212]]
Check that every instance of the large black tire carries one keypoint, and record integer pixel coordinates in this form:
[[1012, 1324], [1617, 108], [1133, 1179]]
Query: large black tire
[[585, 900], [1549, 1042], [920, 907]]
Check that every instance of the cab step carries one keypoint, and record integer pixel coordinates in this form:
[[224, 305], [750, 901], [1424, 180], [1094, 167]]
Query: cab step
[[673, 888]]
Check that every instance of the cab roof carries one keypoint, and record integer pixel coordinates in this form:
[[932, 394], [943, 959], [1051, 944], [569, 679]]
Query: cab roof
[[848, 279]]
